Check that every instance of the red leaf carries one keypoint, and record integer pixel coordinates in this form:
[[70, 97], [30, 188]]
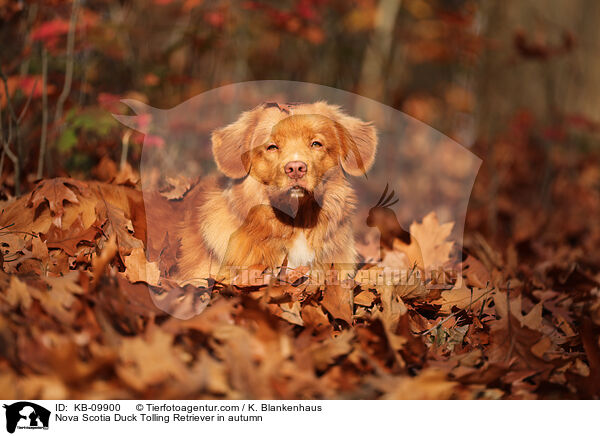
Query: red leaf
[[50, 30]]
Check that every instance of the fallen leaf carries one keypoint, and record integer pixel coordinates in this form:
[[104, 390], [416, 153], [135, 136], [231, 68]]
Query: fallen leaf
[[59, 299], [119, 225], [431, 384], [177, 188], [337, 300], [326, 352], [54, 193], [364, 298], [69, 240], [429, 248], [149, 360], [315, 317], [138, 269], [17, 294], [462, 297]]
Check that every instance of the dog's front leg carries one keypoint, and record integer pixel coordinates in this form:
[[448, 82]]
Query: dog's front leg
[[343, 258], [244, 251]]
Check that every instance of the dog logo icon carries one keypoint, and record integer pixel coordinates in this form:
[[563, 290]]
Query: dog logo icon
[[26, 415]]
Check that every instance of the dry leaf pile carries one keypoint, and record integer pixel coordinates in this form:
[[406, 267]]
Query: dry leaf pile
[[84, 314]]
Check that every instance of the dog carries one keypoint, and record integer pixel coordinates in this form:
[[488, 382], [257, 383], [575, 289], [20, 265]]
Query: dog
[[285, 198]]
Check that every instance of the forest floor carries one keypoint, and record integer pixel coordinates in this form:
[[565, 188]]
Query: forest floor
[[84, 314]]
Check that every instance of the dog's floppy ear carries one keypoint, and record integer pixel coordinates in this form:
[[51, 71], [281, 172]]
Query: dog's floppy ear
[[231, 144], [358, 142], [358, 139]]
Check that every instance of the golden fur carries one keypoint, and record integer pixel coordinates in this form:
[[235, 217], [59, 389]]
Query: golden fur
[[263, 216]]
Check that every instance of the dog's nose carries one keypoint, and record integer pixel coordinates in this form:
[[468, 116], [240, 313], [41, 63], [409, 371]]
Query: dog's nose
[[295, 169]]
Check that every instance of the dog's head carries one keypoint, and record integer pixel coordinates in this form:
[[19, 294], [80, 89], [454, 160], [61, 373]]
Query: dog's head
[[294, 152]]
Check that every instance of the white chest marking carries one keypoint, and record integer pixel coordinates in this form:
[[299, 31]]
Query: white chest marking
[[300, 254]]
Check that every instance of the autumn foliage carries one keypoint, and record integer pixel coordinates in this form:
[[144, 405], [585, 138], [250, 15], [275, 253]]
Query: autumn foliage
[[86, 315]]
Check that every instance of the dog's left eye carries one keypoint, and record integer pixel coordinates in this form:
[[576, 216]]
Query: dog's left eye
[[316, 144]]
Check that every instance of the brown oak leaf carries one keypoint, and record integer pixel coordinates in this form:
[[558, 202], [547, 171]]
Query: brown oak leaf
[[429, 247], [337, 300], [54, 193], [138, 269], [69, 239], [462, 297], [119, 225]]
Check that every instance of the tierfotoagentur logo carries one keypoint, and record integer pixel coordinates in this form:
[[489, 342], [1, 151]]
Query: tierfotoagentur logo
[[25, 415]]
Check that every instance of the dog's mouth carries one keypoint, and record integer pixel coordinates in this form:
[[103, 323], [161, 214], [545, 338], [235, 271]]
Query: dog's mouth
[[297, 191]]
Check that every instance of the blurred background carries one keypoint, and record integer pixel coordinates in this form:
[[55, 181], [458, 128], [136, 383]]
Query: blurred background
[[513, 81]]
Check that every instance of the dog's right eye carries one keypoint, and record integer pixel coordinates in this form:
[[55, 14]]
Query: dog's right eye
[[272, 147]]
